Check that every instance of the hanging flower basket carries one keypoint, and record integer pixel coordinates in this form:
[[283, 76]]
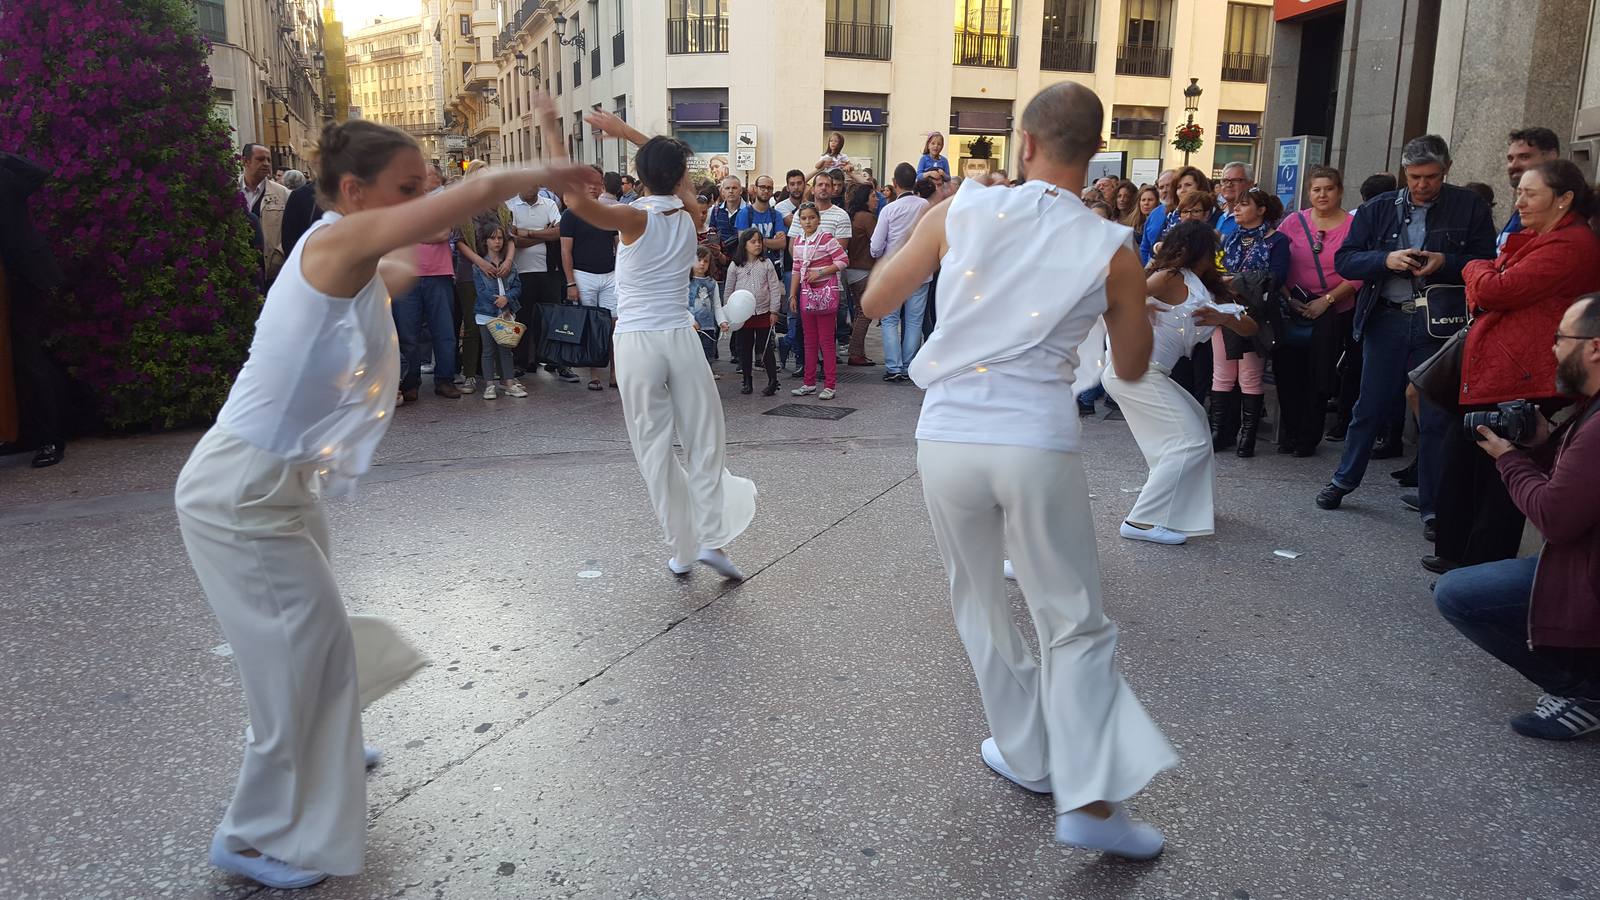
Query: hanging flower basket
[[1188, 139]]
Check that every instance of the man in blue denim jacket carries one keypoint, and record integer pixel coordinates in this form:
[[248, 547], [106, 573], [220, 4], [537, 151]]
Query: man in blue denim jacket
[[1400, 243]]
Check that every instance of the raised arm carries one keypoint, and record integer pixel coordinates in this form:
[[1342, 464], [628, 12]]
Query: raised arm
[[613, 126], [895, 278]]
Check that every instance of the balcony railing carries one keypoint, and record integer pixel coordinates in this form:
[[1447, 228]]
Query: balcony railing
[[1067, 55], [1245, 67], [387, 52], [1143, 59], [859, 40], [618, 55], [705, 34], [424, 128], [995, 51]]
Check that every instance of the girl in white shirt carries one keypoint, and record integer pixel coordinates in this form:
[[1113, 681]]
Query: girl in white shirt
[[662, 375], [1168, 424], [302, 420]]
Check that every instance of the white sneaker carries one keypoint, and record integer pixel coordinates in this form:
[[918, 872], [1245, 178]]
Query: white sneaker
[[1010, 571], [489, 393], [827, 394], [467, 385], [804, 389], [992, 758], [371, 755], [427, 368], [676, 567], [1155, 534], [718, 560], [516, 390], [1120, 835]]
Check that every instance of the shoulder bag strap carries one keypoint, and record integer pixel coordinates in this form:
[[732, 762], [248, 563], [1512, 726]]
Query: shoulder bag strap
[[1316, 255]]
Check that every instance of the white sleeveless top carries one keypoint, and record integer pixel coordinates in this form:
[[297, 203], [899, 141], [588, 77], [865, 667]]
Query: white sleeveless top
[[320, 382], [1020, 290], [653, 271], [1175, 330]]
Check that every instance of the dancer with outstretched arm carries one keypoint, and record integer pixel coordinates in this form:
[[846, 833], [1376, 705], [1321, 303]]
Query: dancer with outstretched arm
[[1024, 272], [303, 420], [662, 375]]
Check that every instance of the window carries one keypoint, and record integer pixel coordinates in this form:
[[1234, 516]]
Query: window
[[1069, 43], [212, 17], [700, 119], [619, 108], [466, 25], [697, 26], [1247, 43], [1146, 47], [985, 33], [858, 28]]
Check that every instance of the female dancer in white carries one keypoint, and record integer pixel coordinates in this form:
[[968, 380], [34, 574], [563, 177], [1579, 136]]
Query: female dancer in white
[[997, 448], [303, 419], [1170, 427], [661, 367]]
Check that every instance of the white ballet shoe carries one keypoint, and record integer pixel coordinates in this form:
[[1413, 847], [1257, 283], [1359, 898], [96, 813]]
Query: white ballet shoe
[[993, 759], [676, 567], [1119, 835], [718, 560], [1010, 571], [263, 869], [1155, 534]]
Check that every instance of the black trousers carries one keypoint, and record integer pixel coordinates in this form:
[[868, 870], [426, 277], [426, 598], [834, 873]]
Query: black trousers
[[1475, 518], [41, 385], [1348, 367], [1193, 372], [749, 343], [537, 288], [1301, 407]]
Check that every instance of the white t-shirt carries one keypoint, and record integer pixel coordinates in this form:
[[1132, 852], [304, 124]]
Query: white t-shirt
[[835, 221], [540, 214]]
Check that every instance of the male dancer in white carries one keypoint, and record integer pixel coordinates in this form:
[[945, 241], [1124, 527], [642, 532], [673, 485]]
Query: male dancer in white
[[661, 368], [1177, 501], [303, 420], [1024, 273]]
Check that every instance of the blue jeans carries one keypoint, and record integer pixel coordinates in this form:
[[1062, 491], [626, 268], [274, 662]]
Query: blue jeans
[[1393, 344], [902, 332], [428, 303], [1488, 604]]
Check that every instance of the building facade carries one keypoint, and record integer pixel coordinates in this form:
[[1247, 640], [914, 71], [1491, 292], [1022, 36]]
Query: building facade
[[396, 79], [1364, 76], [268, 72], [757, 85]]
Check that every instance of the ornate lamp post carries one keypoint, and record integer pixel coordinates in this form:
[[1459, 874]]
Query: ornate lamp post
[[1189, 136]]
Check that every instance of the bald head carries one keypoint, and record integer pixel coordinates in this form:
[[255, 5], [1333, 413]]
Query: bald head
[[1065, 119]]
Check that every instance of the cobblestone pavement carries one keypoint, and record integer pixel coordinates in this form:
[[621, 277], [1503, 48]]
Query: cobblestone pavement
[[593, 727]]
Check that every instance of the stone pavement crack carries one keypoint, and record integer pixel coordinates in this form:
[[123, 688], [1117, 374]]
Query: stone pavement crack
[[728, 588]]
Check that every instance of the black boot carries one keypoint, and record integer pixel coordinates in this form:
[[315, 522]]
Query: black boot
[[746, 388], [1391, 445], [772, 383], [1248, 423], [1224, 415]]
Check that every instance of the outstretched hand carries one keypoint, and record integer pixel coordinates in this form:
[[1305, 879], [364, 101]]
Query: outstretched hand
[[609, 123]]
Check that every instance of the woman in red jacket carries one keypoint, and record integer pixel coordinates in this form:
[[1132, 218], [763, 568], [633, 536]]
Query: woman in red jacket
[[1516, 302]]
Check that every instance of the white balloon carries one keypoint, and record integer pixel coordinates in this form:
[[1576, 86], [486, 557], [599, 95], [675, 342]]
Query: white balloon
[[741, 306]]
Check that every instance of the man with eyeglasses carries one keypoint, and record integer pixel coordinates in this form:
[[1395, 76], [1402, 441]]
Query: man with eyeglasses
[[1236, 180], [1541, 615]]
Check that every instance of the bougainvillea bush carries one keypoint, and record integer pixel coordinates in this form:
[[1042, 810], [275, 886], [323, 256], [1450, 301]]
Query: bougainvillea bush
[[142, 208]]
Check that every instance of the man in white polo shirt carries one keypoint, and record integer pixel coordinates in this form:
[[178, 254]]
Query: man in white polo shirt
[[536, 219], [999, 452]]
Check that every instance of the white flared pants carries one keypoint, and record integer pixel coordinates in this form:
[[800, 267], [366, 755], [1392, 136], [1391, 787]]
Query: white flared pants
[[1172, 433], [1069, 715], [667, 386], [258, 540]]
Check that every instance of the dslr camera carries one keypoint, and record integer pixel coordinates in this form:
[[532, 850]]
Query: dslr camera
[[1516, 421]]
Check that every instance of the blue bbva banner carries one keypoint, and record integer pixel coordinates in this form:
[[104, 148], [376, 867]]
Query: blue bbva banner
[[855, 117]]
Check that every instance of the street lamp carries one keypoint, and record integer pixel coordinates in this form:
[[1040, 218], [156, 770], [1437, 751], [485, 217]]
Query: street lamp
[[576, 40], [522, 62], [1191, 103]]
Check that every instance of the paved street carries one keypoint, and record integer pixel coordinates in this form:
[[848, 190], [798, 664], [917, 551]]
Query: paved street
[[593, 727]]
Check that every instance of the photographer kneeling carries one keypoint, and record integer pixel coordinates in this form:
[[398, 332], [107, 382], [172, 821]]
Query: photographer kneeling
[[1547, 627]]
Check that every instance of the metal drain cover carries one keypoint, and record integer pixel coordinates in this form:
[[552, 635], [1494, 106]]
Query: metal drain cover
[[809, 411]]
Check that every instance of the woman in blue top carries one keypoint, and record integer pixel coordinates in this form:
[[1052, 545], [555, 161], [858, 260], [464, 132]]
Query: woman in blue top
[[932, 156], [1255, 246]]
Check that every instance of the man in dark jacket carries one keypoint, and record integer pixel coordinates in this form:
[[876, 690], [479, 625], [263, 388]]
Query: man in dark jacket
[[1541, 615], [1400, 243], [299, 213]]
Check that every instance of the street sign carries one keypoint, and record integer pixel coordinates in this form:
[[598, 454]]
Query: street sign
[[1296, 156], [744, 158], [744, 136]]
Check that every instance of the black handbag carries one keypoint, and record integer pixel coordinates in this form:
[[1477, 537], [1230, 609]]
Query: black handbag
[[1447, 308], [1438, 378], [576, 337]]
